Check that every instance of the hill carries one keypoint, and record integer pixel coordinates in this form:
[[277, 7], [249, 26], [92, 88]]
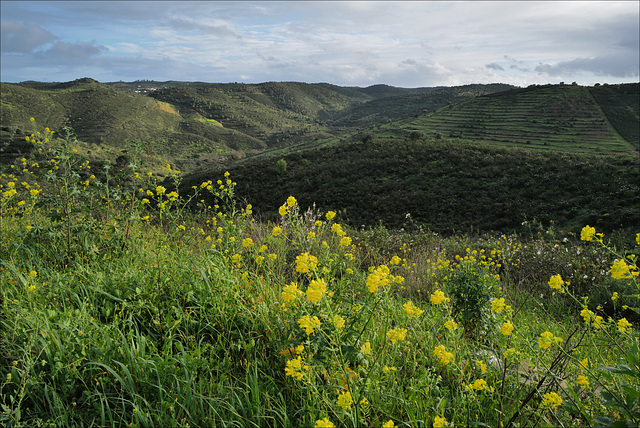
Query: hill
[[446, 185], [193, 124], [559, 117]]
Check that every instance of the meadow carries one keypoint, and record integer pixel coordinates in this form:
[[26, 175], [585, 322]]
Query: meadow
[[127, 303]]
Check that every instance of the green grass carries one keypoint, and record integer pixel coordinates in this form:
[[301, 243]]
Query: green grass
[[126, 304]]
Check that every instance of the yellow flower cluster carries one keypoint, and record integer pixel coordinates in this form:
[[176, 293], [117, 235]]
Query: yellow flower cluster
[[589, 316], [345, 400], [451, 325], [623, 325], [621, 270], [587, 233], [437, 297], [316, 290], [310, 324], [556, 282], [506, 328], [582, 381], [478, 385], [498, 305], [295, 368], [324, 423], [380, 277], [397, 334], [551, 399], [290, 292], [412, 310], [306, 263], [547, 339], [442, 354]]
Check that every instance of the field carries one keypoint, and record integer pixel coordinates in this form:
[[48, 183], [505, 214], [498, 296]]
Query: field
[[128, 303]]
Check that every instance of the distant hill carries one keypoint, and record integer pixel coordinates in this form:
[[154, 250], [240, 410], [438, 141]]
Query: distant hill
[[602, 119], [192, 124]]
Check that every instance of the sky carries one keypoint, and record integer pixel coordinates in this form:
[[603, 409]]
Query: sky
[[349, 43]]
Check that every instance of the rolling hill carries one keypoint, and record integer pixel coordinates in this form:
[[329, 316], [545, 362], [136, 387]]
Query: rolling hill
[[559, 117]]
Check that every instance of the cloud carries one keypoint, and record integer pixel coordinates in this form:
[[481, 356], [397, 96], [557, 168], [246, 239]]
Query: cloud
[[494, 66], [614, 64], [24, 38], [70, 53]]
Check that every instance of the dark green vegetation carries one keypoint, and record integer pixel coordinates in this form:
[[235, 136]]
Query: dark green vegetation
[[448, 185]]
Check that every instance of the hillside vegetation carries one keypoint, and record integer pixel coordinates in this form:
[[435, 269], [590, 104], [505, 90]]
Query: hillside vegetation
[[447, 185], [559, 117], [126, 303]]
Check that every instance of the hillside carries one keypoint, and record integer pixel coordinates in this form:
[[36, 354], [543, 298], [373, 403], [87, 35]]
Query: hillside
[[559, 117], [194, 124], [447, 186]]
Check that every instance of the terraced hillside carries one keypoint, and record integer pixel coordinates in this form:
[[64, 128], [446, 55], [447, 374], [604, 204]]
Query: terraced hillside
[[556, 117]]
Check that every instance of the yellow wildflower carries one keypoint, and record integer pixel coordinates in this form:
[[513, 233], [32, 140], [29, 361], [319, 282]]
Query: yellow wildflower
[[497, 305], [160, 190], [366, 348], [291, 201], [388, 424], [439, 422], [290, 292], [551, 399], [324, 423], [437, 297], [236, 258], [583, 381], [378, 278], [621, 270], [310, 324], [330, 215], [277, 230], [345, 400], [397, 334], [316, 289], [506, 328], [283, 210], [451, 325], [306, 263], [615, 296], [587, 233], [338, 321], [546, 339], [482, 366], [247, 242], [478, 385], [345, 241], [294, 368], [623, 324], [443, 355], [556, 282], [412, 310]]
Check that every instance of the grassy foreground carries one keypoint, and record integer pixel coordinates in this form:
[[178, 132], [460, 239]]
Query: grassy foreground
[[125, 304]]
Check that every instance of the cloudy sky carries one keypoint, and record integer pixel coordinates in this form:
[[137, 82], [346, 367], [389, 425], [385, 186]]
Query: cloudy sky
[[351, 43]]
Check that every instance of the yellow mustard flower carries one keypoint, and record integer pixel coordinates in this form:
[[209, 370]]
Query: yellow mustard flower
[[439, 422], [380, 277], [437, 297], [615, 296], [546, 339], [397, 334], [478, 385], [276, 231], [388, 424], [345, 241], [556, 282], [283, 210], [295, 368], [498, 305], [160, 190], [310, 324], [290, 292], [587, 233], [366, 348], [551, 399], [506, 328], [451, 325], [247, 242], [442, 354], [316, 290], [621, 270], [582, 381], [345, 400], [291, 201], [324, 423], [395, 260], [330, 215], [305, 262], [412, 310], [623, 325], [338, 321]]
